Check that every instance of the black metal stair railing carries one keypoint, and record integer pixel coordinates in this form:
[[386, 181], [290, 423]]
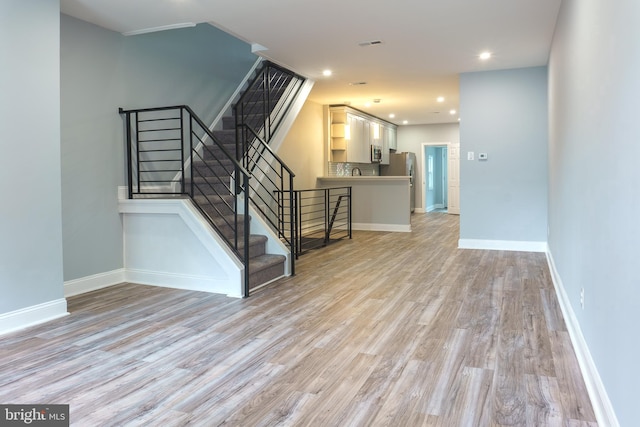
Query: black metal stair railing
[[322, 216], [267, 100], [270, 190], [258, 114], [172, 153]]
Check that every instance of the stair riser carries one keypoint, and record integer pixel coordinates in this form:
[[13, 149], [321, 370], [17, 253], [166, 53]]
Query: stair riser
[[265, 275]]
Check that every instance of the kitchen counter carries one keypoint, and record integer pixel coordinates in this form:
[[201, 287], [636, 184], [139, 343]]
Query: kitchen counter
[[379, 203]]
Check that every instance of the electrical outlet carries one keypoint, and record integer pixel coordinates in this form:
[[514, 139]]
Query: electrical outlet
[[582, 298]]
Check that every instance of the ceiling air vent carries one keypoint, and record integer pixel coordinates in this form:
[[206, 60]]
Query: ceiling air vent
[[370, 43], [357, 83]]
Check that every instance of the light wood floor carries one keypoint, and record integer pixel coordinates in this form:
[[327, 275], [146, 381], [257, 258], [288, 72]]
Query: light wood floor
[[397, 329]]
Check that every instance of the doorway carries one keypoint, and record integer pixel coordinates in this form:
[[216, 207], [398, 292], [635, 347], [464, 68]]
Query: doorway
[[436, 178]]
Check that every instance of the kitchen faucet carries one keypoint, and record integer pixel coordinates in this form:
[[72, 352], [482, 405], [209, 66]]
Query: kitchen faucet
[[353, 171]]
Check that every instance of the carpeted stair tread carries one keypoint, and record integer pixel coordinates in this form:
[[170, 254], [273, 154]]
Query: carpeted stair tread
[[265, 268]]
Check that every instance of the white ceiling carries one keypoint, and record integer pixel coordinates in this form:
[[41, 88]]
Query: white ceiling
[[426, 43]]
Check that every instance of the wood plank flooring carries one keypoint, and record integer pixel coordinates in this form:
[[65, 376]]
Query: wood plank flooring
[[387, 329]]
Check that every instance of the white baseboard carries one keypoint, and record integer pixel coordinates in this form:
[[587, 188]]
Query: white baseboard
[[33, 315], [503, 245], [419, 210], [94, 282], [381, 227], [183, 281], [602, 407]]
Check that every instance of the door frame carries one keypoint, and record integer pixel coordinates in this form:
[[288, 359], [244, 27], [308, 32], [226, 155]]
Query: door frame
[[423, 170]]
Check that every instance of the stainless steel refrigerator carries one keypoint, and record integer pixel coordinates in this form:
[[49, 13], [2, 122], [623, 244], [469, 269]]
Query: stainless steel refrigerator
[[402, 164]]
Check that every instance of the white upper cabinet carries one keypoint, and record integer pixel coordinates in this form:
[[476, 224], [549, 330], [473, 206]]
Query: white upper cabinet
[[391, 136], [354, 132]]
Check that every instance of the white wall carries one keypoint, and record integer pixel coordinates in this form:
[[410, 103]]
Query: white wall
[[303, 147], [30, 217], [504, 114], [101, 71], [594, 184], [411, 138]]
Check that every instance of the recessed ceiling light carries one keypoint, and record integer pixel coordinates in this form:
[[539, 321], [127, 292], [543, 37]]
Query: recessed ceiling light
[[452, 112], [485, 55], [327, 73], [391, 116], [404, 122], [440, 99], [367, 104]]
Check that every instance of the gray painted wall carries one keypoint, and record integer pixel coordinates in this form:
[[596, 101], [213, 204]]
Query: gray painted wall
[[30, 225], [594, 184], [504, 114], [102, 70], [411, 138]]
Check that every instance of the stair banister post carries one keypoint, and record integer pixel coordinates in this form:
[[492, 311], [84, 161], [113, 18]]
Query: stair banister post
[[129, 159], [246, 235]]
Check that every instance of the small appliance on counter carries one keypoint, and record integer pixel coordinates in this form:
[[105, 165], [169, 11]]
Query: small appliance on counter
[[402, 164]]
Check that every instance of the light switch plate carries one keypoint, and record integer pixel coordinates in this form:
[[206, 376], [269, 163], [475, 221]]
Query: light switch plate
[[470, 155]]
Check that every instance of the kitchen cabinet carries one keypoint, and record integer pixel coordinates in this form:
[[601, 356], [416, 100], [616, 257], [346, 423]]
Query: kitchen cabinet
[[384, 137], [354, 132], [391, 138]]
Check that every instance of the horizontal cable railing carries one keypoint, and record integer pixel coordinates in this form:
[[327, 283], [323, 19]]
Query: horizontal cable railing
[[172, 153], [323, 216], [270, 189]]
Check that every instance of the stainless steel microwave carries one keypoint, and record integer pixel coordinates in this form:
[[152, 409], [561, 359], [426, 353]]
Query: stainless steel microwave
[[376, 154]]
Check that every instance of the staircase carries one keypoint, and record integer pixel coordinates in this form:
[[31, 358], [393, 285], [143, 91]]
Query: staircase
[[229, 174], [213, 179]]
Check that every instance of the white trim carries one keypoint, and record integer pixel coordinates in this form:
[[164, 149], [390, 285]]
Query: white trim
[[292, 115], [33, 315], [602, 407], [181, 281], [381, 227], [227, 107], [419, 210], [160, 28], [94, 282], [502, 245]]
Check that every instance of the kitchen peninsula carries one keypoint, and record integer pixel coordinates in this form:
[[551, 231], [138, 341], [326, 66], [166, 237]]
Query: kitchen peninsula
[[379, 203]]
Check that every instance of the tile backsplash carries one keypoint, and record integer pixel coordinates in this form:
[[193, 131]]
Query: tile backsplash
[[345, 169]]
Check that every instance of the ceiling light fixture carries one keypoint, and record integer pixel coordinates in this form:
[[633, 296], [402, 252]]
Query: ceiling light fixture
[[404, 122], [327, 73], [391, 116], [485, 55], [452, 112], [440, 99]]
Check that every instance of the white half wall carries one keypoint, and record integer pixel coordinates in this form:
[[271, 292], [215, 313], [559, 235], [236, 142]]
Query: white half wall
[[167, 243]]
